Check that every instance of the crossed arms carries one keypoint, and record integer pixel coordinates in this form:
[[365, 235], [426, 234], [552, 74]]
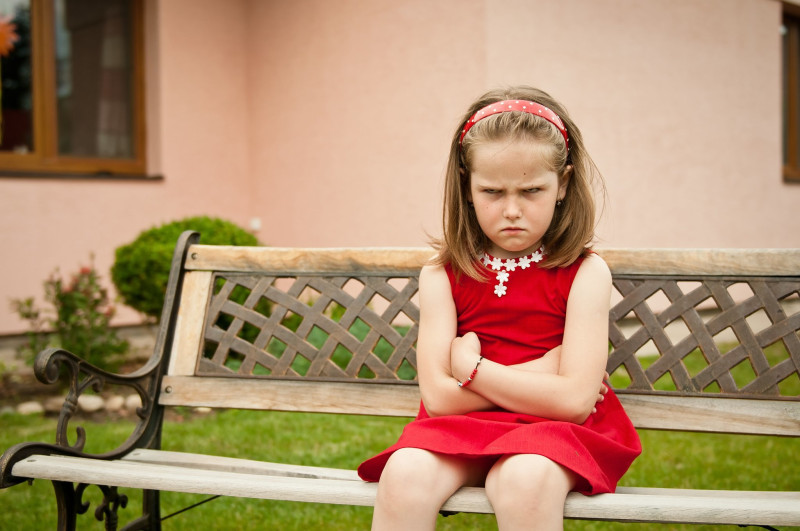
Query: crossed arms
[[565, 384]]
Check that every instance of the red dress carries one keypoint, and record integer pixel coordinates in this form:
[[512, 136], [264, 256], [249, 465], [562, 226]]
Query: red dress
[[517, 318]]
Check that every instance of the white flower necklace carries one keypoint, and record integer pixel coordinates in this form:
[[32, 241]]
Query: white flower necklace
[[504, 267]]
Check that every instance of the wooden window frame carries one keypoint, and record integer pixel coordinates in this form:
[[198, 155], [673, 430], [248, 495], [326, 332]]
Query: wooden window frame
[[791, 86], [44, 159]]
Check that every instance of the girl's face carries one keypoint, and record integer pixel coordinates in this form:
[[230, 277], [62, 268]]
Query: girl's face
[[514, 193]]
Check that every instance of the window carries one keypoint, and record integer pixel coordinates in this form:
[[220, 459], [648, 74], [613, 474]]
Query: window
[[72, 87], [791, 93]]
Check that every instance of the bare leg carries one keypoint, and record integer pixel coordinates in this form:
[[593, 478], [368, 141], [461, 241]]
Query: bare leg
[[416, 483], [528, 491]]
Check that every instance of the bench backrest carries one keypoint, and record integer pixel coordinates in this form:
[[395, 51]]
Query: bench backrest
[[701, 340]]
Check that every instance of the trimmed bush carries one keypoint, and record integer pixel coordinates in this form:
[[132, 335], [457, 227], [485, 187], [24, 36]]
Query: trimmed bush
[[141, 268]]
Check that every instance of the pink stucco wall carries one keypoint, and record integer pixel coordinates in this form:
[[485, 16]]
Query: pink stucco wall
[[353, 107], [354, 102], [329, 122]]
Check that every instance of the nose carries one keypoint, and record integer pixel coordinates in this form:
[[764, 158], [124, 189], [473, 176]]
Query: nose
[[512, 209]]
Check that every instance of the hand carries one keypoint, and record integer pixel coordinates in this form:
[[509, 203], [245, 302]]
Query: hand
[[601, 394], [464, 354]]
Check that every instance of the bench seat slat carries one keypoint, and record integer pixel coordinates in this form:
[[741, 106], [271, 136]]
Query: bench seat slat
[[194, 480], [233, 464], [249, 466], [703, 414], [634, 504]]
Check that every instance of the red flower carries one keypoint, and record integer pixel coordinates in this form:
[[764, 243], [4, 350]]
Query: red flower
[[8, 35]]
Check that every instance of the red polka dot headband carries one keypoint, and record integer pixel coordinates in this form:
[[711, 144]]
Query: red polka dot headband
[[530, 107]]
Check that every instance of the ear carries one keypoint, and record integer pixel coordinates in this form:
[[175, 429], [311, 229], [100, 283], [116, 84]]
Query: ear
[[563, 181]]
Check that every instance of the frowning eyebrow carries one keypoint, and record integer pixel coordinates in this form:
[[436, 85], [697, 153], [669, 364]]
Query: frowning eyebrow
[[489, 182]]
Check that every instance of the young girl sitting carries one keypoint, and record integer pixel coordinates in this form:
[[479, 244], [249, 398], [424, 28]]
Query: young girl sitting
[[513, 337]]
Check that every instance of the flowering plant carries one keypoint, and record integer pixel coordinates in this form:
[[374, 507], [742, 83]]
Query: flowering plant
[[78, 321]]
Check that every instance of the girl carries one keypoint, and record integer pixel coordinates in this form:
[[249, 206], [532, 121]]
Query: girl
[[513, 337]]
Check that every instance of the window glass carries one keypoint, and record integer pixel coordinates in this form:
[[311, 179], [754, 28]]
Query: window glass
[[15, 76], [93, 78]]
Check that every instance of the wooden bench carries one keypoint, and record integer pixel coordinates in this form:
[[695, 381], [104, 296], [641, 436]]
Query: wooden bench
[[298, 330]]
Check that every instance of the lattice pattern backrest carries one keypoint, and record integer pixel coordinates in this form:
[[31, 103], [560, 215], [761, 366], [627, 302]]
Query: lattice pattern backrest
[[688, 335], [331, 327], [707, 334]]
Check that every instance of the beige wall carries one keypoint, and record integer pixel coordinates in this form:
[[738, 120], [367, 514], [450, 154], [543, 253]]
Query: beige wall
[[678, 101], [329, 121], [353, 107]]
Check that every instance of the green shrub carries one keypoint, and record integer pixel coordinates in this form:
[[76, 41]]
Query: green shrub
[[141, 269], [78, 321]]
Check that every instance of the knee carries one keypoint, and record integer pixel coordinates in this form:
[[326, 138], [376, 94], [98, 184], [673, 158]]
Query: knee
[[406, 480], [532, 482]]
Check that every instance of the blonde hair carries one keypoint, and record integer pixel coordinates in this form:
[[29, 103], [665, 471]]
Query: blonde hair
[[572, 229]]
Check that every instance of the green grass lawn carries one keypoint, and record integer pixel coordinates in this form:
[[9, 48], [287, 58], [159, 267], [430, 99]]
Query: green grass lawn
[[681, 460], [669, 460]]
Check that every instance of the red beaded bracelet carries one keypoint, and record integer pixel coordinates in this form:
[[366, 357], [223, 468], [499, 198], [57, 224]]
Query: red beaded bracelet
[[471, 376]]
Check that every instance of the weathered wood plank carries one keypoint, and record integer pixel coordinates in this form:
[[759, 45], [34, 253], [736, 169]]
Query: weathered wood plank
[[689, 508], [712, 414], [230, 464], [715, 262], [189, 327], [702, 414], [305, 261], [185, 479], [387, 399], [681, 506]]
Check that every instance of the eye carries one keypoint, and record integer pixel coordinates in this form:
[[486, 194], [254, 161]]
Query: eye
[[532, 190]]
